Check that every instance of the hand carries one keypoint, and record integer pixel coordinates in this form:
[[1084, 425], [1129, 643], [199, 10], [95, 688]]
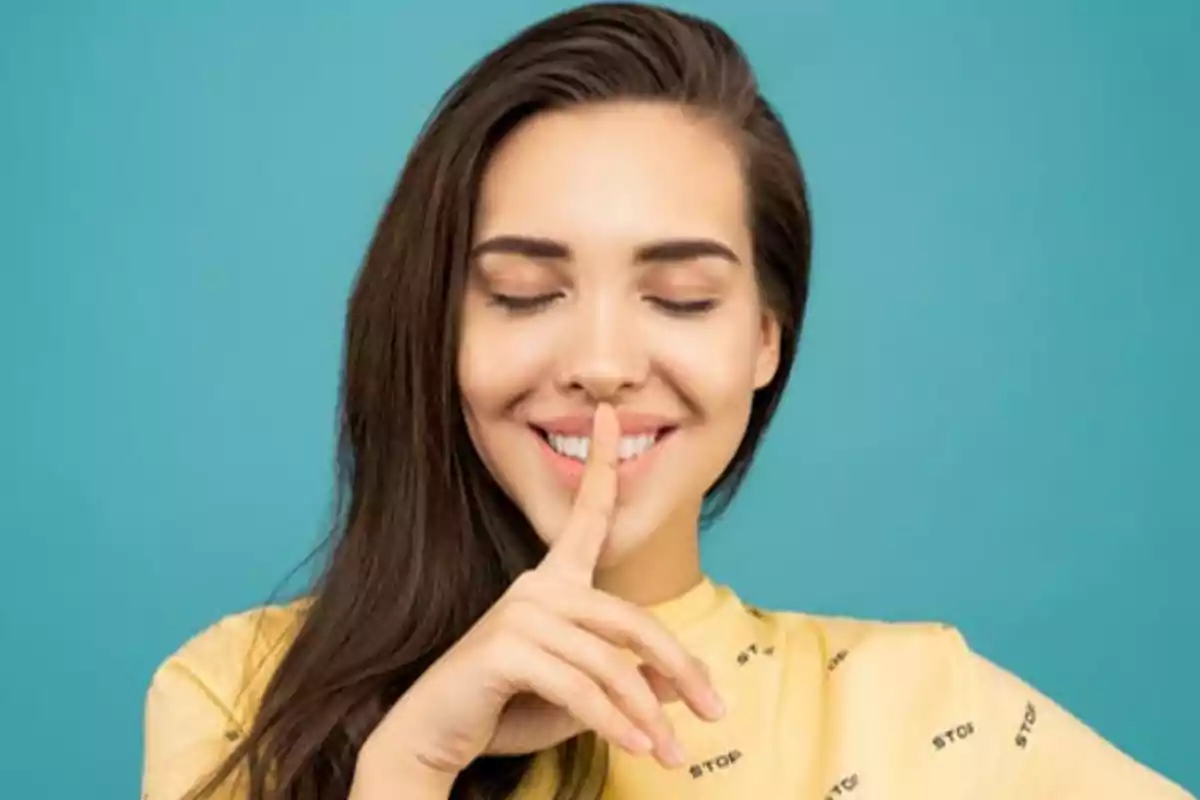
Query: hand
[[553, 657]]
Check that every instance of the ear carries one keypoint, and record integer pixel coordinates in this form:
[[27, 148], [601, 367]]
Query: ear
[[767, 362]]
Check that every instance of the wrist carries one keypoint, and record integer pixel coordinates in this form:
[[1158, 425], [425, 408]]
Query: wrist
[[382, 775]]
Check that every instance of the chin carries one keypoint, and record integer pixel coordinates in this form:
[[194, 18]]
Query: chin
[[630, 533], [631, 530]]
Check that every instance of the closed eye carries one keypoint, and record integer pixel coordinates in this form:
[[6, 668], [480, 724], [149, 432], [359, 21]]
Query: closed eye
[[683, 307], [524, 303], [519, 304]]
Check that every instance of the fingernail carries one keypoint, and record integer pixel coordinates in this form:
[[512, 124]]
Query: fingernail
[[672, 754], [716, 706], [638, 742]]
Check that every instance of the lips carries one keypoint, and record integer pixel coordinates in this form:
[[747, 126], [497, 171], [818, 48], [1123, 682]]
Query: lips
[[580, 423]]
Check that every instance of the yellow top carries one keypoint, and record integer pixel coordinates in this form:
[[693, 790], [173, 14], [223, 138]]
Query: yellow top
[[818, 707]]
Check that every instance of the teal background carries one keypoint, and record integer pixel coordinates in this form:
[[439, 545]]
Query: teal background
[[993, 421]]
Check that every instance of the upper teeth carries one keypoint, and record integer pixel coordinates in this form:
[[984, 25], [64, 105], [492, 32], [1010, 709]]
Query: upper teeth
[[577, 447]]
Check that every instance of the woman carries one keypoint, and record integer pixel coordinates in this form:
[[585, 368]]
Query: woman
[[571, 330]]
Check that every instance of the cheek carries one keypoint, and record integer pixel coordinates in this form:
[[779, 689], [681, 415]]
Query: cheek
[[496, 367], [714, 365], [496, 364]]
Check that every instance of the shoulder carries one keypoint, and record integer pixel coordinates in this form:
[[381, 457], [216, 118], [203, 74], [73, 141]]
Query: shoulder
[[917, 678], [875, 676], [203, 697], [919, 692], [230, 662]]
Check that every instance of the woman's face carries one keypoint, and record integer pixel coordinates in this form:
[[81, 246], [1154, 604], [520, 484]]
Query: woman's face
[[612, 262]]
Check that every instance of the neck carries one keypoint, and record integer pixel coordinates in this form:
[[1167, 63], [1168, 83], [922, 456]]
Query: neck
[[664, 567]]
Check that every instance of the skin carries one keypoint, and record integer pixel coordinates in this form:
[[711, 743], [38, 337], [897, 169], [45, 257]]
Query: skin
[[631, 209], [607, 184]]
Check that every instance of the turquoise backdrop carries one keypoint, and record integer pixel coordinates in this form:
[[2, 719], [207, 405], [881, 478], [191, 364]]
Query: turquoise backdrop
[[993, 421]]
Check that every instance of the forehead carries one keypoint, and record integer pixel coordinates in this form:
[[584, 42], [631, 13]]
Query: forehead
[[623, 172]]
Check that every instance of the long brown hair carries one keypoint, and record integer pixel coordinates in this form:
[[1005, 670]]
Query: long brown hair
[[424, 540]]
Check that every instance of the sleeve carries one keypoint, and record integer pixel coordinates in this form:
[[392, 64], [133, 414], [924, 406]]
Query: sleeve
[[1037, 749], [202, 700], [189, 731]]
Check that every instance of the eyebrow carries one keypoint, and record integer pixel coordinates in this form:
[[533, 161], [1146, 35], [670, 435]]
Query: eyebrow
[[665, 251]]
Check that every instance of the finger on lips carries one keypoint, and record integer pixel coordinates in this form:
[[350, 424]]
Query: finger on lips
[[577, 548]]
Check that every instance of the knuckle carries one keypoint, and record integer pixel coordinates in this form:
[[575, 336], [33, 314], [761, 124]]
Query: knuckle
[[577, 686], [676, 661], [684, 666], [652, 719], [623, 623], [645, 631], [612, 719], [518, 614], [616, 608], [618, 672], [627, 683], [503, 643], [639, 696]]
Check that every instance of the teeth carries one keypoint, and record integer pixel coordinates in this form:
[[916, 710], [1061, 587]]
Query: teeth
[[571, 446], [577, 446], [634, 446]]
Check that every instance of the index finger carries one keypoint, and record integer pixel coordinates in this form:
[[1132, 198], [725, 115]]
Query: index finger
[[577, 548]]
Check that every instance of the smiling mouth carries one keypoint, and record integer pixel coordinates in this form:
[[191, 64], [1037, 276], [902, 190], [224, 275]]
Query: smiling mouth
[[631, 447]]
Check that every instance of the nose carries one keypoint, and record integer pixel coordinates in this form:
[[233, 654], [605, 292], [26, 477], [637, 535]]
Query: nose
[[604, 354]]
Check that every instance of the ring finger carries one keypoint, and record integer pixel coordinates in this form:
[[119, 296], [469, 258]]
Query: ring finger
[[617, 672]]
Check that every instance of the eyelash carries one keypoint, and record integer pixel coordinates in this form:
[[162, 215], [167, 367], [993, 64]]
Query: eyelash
[[518, 304], [684, 308]]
